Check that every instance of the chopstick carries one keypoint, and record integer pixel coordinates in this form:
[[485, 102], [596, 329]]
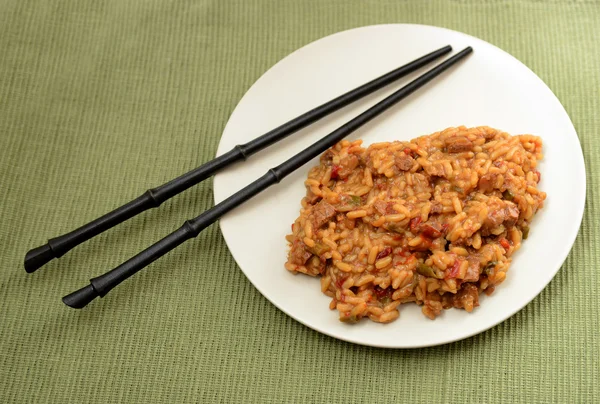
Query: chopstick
[[103, 284], [152, 198]]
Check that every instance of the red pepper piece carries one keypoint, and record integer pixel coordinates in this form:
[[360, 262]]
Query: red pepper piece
[[335, 172], [384, 253], [414, 222], [453, 272], [431, 232]]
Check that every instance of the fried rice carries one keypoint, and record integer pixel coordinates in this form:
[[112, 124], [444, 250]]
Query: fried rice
[[433, 221]]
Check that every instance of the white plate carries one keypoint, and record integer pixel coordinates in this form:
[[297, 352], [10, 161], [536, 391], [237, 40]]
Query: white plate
[[490, 87]]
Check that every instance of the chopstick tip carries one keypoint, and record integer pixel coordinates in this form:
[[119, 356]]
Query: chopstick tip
[[80, 298], [38, 257]]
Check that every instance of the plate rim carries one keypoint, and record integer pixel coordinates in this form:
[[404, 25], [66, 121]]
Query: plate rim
[[502, 318]]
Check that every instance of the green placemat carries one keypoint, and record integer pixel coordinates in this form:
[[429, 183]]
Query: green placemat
[[100, 100]]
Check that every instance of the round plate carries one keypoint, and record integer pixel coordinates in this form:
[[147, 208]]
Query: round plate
[[490, 87]]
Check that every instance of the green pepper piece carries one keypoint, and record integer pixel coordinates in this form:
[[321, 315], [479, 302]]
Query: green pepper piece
[[348, 203], [489, 267], [385, 300], [319, 249], [356, 200], [349, 319], [509, 196], [426, 270], [395, 227], [525, 232]]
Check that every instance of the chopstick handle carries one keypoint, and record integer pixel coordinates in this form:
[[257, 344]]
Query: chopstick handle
[[101, 285], [152, 198], [58, 246]]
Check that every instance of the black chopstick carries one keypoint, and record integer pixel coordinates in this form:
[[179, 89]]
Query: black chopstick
[[101, 285], [152, 198]]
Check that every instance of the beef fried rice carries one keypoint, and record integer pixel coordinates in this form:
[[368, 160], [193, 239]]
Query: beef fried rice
[[433, 221]]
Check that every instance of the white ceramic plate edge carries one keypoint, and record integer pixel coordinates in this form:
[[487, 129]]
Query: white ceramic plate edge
[[570, 238]]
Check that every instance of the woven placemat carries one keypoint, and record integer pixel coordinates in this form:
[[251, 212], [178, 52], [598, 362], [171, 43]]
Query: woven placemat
[[101, 100]]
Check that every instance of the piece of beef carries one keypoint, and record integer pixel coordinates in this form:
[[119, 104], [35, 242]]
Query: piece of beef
[[467, 297], [436, 208], [487, 182], [298, 253], [512, 214], [404, 162], [436, 170], [472, 274], [346, 166], [458, 144], [322, 212], [384, 208], [499, 212]]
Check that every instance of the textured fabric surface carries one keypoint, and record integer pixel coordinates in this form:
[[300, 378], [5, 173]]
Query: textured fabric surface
[[100, 100]]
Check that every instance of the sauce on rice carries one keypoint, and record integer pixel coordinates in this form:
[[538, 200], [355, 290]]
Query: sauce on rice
[[434, 220]]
